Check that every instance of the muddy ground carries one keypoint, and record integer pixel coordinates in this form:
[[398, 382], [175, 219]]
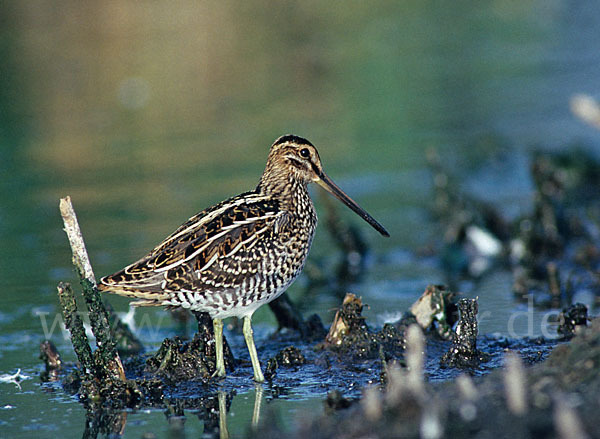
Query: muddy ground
[[430, 374]]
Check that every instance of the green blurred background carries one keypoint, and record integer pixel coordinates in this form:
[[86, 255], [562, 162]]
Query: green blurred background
[[145, 112]]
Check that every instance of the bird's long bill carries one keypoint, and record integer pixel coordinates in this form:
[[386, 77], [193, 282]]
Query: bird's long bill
[[326, 183]]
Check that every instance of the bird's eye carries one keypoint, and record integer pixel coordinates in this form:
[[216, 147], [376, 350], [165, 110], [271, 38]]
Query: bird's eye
[[304, 152]]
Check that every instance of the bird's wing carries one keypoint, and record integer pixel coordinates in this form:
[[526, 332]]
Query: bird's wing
[[220, 231]]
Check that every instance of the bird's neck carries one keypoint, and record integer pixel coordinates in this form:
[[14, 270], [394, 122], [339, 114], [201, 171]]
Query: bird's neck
[[289, 191]]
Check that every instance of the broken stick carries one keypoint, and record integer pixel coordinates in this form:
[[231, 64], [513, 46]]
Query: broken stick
[[108, 355]]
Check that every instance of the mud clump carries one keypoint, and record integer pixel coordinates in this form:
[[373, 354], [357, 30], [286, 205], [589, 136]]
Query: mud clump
[[350, 336], [572, 318], [118, 394], [288, 357], [51, 358], [336, 401], [464, 353], [177, 360], [349, 328]]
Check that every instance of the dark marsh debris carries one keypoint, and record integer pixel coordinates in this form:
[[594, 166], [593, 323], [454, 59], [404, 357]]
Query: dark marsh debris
[[559, 240], [475, 234], [178, 360], [348, 324], [52, 361], [464, 353], [571, 319], [435, 312], [337, 401], [349, 335], [553, 250], [517, 401], [289, 317], [288, 357]]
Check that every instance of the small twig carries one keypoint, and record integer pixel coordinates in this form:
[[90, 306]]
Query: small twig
[[109, 356], [80, 255]]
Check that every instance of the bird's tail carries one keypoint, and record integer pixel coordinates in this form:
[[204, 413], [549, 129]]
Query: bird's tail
[[147, 295]]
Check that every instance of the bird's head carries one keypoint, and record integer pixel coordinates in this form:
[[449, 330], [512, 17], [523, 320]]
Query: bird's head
[[295, 157]]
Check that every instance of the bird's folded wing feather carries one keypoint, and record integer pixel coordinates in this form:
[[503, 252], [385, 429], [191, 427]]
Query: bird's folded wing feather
[[220, 231]]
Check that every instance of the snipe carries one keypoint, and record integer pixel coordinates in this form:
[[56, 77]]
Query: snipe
[[234, 257]]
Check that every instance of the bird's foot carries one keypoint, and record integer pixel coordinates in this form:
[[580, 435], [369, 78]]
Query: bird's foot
[[258, 376], [219, 373]]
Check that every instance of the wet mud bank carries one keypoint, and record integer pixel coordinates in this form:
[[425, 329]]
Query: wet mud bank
[[554, 398], [429, 374], [354, 364]]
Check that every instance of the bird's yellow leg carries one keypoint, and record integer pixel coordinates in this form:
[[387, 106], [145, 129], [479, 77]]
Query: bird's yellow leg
[[247, 330], [218, 330], [222, 397], [257, 404]]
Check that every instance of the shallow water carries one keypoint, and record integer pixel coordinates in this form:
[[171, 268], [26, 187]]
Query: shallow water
[[145, 116]]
